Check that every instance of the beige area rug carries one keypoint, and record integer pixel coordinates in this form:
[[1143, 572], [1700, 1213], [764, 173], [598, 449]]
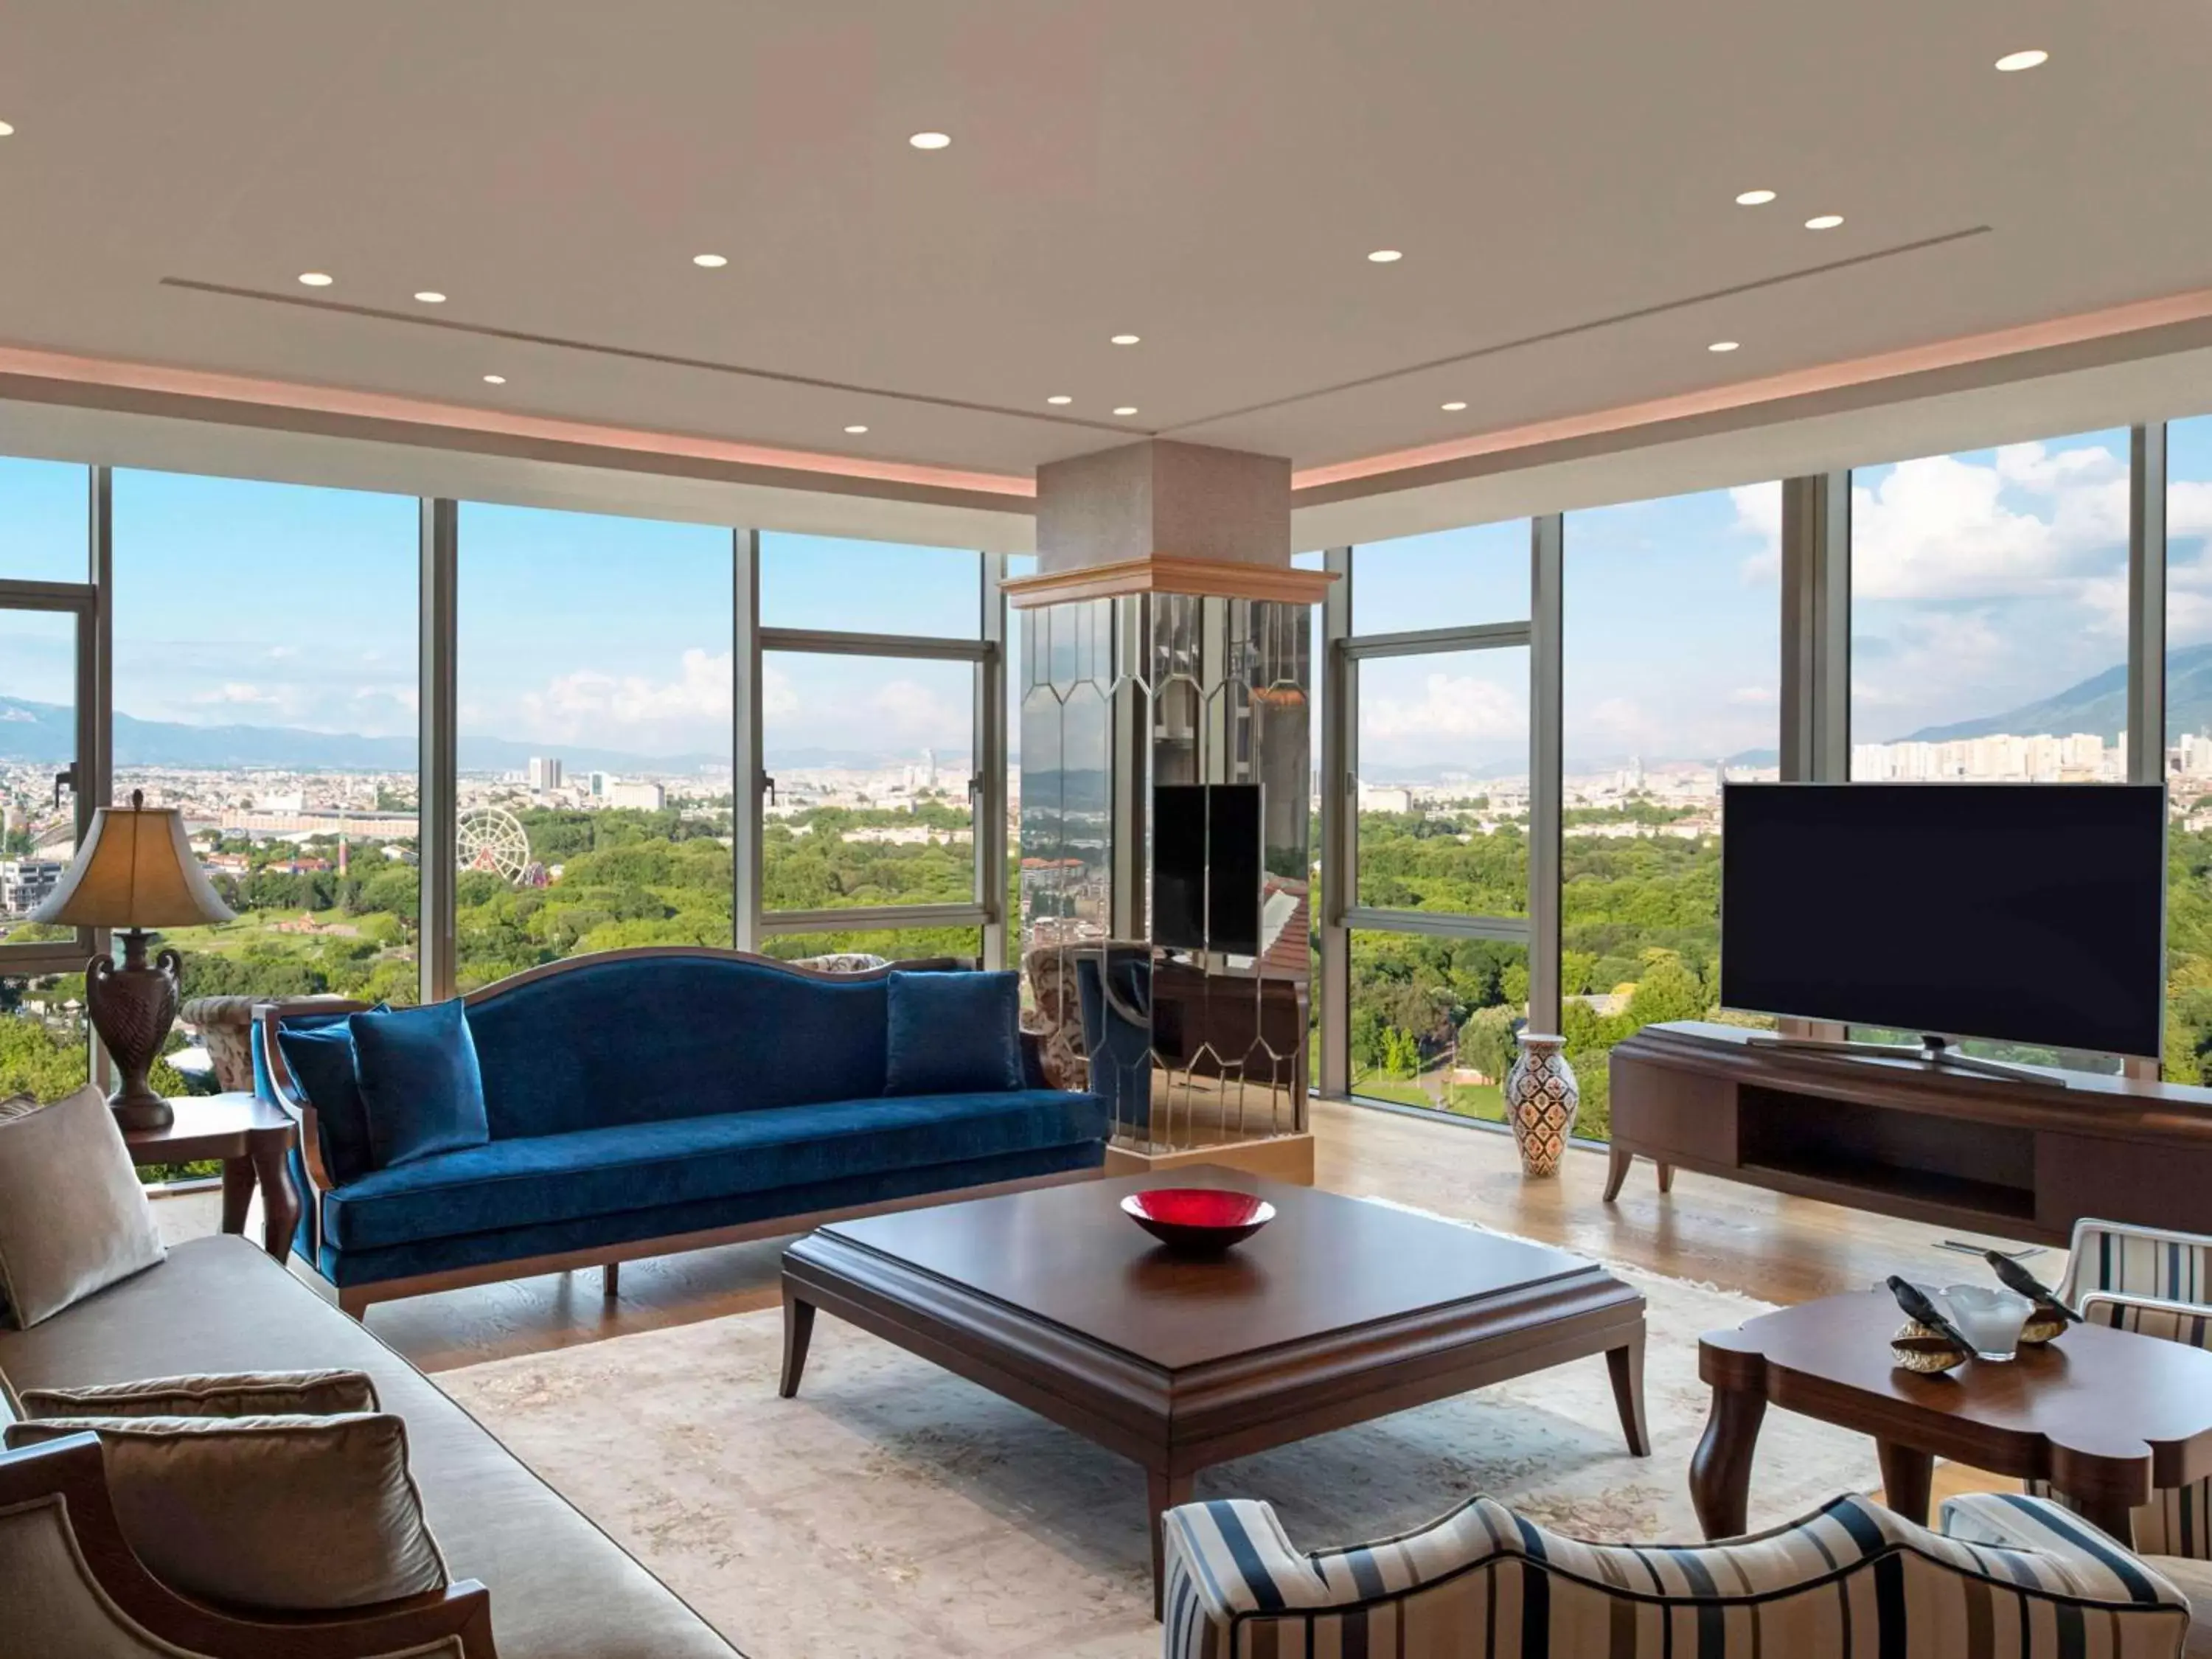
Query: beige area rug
[[894, 1508]]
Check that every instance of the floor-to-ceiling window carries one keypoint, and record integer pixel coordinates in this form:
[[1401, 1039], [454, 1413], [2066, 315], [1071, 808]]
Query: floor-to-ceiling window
[[1671, 687], [872, 659], [2189, 750], [264, 683], [593, 672], [45, 545], [1437, 680], [1988, 624]]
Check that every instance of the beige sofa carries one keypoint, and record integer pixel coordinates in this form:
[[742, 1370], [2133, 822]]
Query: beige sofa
[[560, 1588]]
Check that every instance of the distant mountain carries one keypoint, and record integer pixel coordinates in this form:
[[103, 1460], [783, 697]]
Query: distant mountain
[[2098, 704], [43, 733]]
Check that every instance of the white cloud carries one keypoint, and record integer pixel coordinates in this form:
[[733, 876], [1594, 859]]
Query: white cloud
[[1759, 513], [1450, 706], [238, 694], [592, 698], [914, 715], [1940, 528], [1752, 697]]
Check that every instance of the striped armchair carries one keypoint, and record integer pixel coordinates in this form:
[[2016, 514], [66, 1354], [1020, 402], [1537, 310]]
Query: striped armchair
[[2158, 1284], [1851, 1580], [2114, 1257]]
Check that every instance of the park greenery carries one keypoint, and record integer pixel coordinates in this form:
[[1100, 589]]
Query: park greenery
[[1433, 1019]]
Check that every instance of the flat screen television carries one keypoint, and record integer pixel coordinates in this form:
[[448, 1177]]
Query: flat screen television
[[2019, 913], [1205, 867]]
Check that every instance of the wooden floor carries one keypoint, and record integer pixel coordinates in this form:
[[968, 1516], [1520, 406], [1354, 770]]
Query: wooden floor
[[1774, 1248]]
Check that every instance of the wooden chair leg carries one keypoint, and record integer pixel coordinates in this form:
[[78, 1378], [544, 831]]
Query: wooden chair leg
[[1618, 1160], [1666, 1177], [611, 1280]]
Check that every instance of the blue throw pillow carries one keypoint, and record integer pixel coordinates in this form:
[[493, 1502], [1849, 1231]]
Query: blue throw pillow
[[953, 1034], [320, 1058], [419, 1081]]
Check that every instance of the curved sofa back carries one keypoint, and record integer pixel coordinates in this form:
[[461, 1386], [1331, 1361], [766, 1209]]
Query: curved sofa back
[[605, 1041]]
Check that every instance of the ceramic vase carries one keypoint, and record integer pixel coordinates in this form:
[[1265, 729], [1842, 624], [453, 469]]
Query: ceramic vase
[[1540, 1098]]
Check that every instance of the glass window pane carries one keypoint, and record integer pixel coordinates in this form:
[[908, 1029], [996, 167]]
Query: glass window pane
[[1447, 579], [880, 944], [1442, 766], [2189, 750], [286, 731], [870, 587], [871, 757], [37, 738], [1671, 686], [1433, 1019], [594, 681], [44, 1050], [45, 510], [1989, 614]]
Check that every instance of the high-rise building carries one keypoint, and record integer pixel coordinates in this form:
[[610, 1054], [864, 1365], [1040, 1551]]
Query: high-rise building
[[643, 797], [26, 883], [545, 772]]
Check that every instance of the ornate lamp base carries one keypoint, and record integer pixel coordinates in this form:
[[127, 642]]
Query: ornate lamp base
[[132, 1008]]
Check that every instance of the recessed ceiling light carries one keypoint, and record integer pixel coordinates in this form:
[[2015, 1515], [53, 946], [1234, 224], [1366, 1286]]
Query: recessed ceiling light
[[1453, 407], [495, 380], [856, 430], [1063, 399], [710, 261], [6, 130], [1824, 221], [430, 296], [1126, 339], [1724, 345], [1126, 409], [1754, 199], [317, 278], [1385, 256], [930, 140], [2013, 62]]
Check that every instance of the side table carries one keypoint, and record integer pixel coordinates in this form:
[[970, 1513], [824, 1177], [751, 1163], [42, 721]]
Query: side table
[[2105, 1416], [254, 1140]]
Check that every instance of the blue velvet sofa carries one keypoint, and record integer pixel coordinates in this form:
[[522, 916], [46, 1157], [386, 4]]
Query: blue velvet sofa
[[649, 1101]]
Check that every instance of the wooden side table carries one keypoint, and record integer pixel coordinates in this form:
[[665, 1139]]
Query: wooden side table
[[254, 1140], [2105, 1416]]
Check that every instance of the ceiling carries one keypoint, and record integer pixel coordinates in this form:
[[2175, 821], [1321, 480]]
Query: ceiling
[[1559, 178]]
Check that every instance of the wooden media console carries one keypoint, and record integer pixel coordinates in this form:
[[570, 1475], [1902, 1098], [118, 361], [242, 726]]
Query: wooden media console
[[2018, 1159]]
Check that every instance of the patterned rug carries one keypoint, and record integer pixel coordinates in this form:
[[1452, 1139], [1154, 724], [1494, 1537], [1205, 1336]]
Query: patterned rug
[[894, 1508]]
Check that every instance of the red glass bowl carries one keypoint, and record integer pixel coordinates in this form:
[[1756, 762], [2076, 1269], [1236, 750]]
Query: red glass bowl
[[1198, 1221]]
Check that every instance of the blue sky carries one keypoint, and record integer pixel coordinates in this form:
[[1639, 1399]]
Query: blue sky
[[1982, 580]]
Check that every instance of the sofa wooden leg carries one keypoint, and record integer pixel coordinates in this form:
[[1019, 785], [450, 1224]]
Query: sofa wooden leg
[[611, 1280], [354, 1305]]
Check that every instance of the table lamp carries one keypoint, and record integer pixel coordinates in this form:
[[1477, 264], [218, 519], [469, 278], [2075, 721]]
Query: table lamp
[[134, 872]]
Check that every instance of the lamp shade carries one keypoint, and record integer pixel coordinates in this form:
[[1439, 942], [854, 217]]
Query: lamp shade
[[134, 870]]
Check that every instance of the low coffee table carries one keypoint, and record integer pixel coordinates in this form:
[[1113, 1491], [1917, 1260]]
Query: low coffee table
[[1336, 1312], [2104, 1415]]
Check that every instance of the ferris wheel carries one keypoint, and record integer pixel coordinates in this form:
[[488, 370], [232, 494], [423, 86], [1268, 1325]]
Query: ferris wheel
[[492, 839]]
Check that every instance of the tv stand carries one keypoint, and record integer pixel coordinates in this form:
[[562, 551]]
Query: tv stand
[[1908, 1134], [1933, 1051]]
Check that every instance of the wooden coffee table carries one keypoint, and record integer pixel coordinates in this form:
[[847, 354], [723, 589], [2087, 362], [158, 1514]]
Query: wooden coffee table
[[2104, 1415], [253, 1138], [1336, 1312]]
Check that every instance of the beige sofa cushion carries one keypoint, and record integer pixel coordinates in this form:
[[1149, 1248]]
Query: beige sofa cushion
[[73, 1217], [242, 1393], [560, 1588], [289, 1513]]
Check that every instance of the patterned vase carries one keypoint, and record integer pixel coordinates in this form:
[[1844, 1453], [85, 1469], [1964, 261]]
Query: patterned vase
[[1540, 1098]]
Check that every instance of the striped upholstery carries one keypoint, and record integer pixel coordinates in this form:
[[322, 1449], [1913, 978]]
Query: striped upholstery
[[2173, 1522], [1851, 1581], [2112, 1255]]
